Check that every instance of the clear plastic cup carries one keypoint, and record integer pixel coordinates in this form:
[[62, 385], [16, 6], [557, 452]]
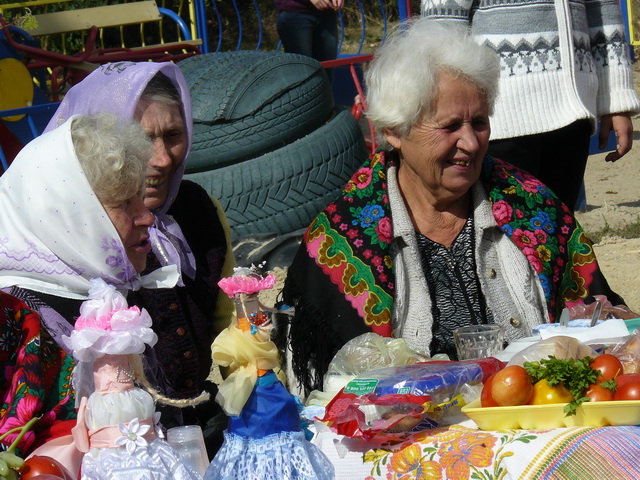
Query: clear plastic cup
[[188, 441]]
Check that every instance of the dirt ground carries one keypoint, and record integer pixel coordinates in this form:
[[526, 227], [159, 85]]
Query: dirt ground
[[613, 198]]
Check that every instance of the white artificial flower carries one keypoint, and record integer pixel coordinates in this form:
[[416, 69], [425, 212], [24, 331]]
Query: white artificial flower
[[132, 435]]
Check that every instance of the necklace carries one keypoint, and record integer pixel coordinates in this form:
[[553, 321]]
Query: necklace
[[127, 374]]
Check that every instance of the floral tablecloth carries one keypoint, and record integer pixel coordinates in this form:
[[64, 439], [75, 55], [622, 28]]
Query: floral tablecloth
[[459, 452]]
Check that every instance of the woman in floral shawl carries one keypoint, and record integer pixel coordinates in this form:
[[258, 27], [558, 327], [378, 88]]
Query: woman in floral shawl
[[432, 234]]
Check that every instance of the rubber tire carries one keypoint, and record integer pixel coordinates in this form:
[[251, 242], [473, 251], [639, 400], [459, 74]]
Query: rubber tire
[[246, 104], [282, 191], [193, 67]]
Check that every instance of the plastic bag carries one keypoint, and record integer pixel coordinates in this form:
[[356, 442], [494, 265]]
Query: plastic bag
[[609, 311], [405, 398], [363, 353], [628, 352], [560, 347]]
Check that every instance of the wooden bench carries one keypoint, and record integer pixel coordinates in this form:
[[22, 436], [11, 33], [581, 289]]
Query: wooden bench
[[83, 19]]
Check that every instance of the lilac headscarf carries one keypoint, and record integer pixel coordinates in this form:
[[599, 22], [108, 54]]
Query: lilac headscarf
[[116, 88]]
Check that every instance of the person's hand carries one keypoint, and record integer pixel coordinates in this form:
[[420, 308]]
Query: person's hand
[[337, 4], [621, 124], [322, 4]]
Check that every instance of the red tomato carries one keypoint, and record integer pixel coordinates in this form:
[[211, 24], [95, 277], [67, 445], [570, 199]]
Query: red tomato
[[626, 378], [629, 391], [512, 386], [597, 393], [40, 465], [486, 399], [609, 367]]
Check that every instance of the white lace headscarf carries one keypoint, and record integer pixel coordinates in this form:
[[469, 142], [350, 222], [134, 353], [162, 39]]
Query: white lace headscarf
[[55, 234]]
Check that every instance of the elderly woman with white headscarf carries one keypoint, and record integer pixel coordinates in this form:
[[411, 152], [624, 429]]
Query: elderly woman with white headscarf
[[72, 210], [189, 230], [432, 234]]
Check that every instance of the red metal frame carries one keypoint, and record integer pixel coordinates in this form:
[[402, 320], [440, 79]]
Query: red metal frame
[[360, 102], [45, 58]]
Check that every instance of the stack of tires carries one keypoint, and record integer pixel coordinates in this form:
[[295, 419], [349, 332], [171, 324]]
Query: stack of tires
[[268, 141]]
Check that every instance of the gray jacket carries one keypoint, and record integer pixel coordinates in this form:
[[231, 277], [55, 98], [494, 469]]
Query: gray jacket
[[510, 285]]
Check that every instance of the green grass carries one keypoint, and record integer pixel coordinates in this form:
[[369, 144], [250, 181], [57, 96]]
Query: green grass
[[632, 230]]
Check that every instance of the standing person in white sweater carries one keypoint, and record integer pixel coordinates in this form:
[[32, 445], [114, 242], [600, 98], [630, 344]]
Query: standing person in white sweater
[[565, 65]]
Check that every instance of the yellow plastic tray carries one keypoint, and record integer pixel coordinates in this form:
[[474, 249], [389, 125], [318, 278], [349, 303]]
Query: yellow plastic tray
[[540, 417]]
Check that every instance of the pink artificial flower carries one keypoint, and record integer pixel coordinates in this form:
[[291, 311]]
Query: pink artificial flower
[[248, 284], [130, 318], [121, 320], [103, 322]]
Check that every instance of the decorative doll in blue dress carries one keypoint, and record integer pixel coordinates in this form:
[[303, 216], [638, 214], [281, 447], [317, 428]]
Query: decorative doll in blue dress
[[264, 439]]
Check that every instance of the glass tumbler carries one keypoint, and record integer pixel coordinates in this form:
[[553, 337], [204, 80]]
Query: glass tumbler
[[478, 341]]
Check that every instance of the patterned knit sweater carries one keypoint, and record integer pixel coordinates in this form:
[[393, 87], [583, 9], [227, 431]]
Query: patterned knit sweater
[[561, 60]]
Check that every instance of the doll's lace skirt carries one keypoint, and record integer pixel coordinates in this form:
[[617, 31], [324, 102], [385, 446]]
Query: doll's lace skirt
[[157, 461], [285, 455]]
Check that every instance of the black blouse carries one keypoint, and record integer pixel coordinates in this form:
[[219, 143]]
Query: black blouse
[[454, 287]]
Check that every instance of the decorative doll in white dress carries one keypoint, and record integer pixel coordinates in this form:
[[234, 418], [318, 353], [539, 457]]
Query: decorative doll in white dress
[[117, 422], [264, 440]]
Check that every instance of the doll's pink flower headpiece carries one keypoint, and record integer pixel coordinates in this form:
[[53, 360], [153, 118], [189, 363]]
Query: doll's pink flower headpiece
[[246, 280], [107, 325]]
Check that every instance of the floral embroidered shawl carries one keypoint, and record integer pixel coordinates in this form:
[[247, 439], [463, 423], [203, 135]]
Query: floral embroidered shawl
[[342, 282], [36, 377]]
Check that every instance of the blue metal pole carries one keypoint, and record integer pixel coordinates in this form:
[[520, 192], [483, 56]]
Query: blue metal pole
[[403, 12]]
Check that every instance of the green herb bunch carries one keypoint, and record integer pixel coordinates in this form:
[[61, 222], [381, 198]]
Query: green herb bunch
[[576, 375]]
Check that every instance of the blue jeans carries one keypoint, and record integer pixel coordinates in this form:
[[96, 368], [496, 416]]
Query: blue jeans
[[308, 34]]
